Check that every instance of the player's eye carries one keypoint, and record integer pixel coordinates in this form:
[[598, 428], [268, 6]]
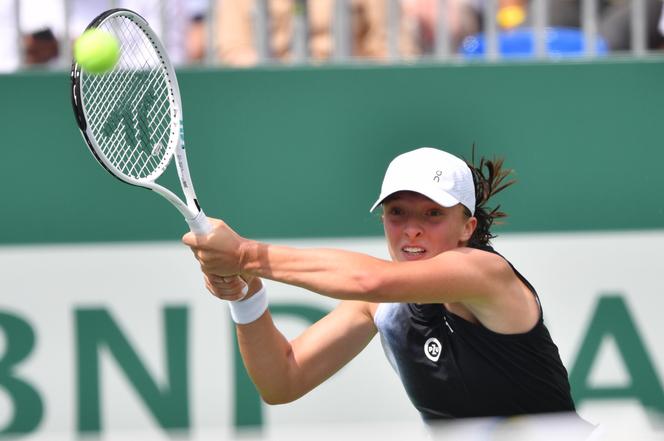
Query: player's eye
[[394, 212], [434, 212]]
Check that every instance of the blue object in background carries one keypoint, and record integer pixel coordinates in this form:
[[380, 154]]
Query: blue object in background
[[520, 43]]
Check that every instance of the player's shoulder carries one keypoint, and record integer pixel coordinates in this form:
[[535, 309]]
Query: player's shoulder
[[481, 264], [479, 256]]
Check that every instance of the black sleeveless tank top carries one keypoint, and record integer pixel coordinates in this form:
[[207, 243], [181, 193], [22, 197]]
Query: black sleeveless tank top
[[452, 368]]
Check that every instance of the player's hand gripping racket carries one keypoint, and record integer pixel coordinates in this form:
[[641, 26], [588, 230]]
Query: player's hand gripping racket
[[131, 116]]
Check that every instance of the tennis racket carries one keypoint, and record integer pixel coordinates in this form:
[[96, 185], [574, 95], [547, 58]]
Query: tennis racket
[[131, 116]]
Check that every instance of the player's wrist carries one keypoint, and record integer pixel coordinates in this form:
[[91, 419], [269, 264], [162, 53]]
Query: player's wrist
[[247, 257], [250, 308]]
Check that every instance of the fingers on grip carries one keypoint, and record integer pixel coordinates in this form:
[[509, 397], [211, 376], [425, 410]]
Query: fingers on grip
[[226, 287]]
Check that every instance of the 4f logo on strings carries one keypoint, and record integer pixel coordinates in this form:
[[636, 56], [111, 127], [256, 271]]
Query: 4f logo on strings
[[135, 115]]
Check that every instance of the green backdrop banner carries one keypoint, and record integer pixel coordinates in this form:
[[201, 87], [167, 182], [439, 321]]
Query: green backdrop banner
[[300, 152]]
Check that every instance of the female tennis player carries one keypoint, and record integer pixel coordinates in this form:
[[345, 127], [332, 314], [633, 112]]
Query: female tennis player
[[460, 325]]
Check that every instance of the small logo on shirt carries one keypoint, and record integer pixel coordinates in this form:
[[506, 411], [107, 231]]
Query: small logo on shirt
[[432, 349]]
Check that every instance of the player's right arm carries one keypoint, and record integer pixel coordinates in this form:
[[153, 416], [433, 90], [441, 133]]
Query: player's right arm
[[285, 370]]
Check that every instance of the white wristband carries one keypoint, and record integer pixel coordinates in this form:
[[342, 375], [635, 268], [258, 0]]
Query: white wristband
[[249, 310]]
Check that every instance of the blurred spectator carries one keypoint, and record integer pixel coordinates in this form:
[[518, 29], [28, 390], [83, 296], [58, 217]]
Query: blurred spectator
[[39, 21], [37, 44], [614, 17], [40, 47], [462, 19], [235, 33], [368, 26], [196, 37], [370, 30]]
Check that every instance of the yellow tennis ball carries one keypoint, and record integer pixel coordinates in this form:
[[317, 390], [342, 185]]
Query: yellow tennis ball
[[96, 51]]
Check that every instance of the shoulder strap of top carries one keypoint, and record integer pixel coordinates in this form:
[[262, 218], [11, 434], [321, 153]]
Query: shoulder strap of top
[[489, 249]]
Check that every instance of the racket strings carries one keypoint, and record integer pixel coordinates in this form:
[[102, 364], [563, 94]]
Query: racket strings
[[130, 109], [139, 112]]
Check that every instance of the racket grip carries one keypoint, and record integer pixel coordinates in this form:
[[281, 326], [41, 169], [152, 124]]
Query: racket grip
[[200, 226]]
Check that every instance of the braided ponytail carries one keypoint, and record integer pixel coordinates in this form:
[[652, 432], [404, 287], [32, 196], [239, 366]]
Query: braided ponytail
[[489, 179]]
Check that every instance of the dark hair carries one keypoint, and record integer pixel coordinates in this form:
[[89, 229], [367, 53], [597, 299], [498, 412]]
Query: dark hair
[[488, 177]]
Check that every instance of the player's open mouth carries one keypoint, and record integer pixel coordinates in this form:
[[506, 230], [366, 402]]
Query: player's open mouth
[[416, 251]]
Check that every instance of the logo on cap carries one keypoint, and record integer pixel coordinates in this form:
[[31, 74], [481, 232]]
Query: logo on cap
[[439, 173], [432, 349]]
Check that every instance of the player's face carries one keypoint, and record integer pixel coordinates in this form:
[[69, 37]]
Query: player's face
[[418, 228]]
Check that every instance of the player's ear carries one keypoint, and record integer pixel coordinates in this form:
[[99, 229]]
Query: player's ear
[[469, 228]]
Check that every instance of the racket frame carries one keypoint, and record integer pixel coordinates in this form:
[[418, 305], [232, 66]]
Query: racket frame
[[191, 210]]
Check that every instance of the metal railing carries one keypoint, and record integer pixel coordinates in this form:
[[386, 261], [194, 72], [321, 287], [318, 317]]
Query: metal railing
[[341, 29]]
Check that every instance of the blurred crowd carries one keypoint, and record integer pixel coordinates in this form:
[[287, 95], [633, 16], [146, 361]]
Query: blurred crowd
[[244, 33]]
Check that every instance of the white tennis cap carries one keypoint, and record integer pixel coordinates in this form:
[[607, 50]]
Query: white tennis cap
[[438, 175]]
